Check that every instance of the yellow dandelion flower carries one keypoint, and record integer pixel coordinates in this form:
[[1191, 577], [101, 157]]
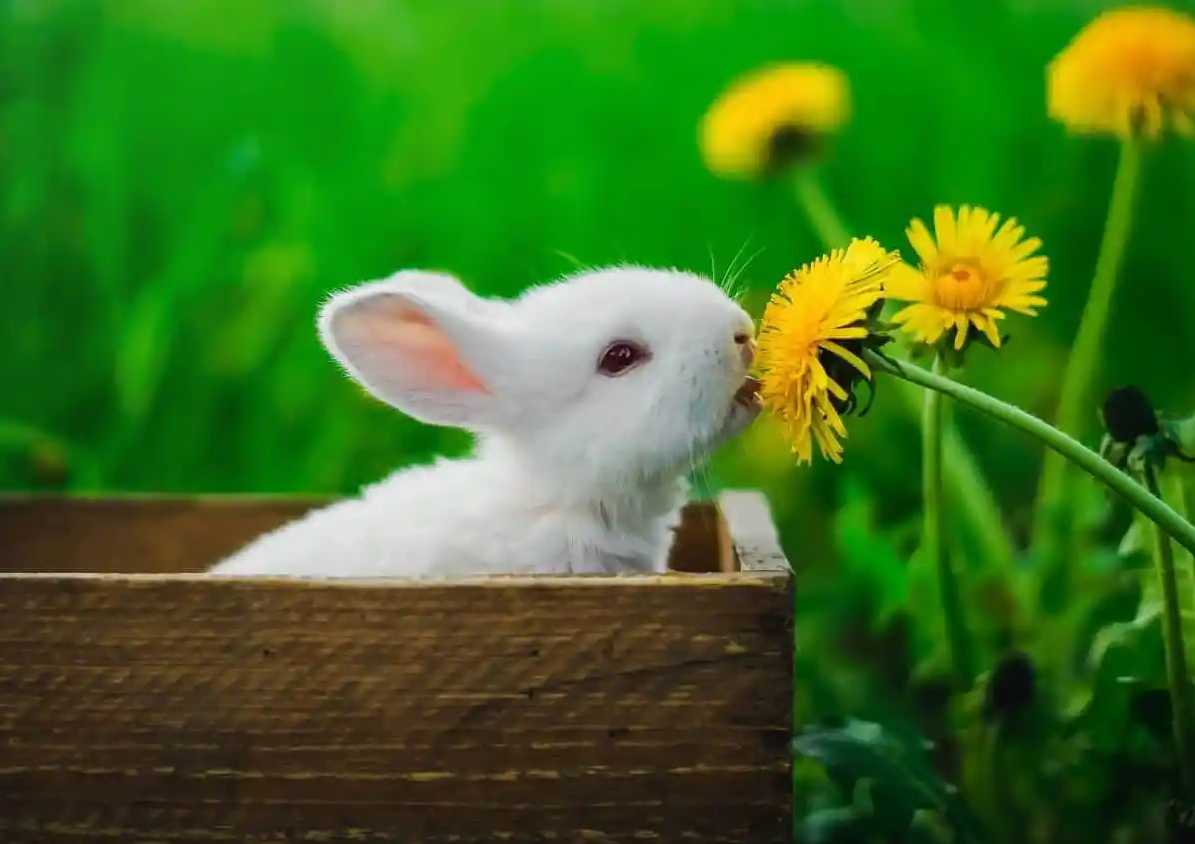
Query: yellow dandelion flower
[[770, 118], [813, 331], [970, 271], [1129, 72]]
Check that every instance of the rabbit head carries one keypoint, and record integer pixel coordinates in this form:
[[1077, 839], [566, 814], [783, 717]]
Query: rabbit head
[[603, 378]]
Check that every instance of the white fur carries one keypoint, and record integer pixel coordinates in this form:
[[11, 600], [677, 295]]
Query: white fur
[[574, 471]]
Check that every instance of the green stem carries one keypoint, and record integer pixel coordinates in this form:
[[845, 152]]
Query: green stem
[[958, 637], [1000, 804], [1151, 506], [1176, 496], [1176, 654], [1186, 496], [1076, 403], [966, 485], [824, 218]]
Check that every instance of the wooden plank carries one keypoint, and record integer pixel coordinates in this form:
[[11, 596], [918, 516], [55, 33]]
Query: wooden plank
[[135, 534], [701, 542], [189, 534], [753, 533], [187, 708]]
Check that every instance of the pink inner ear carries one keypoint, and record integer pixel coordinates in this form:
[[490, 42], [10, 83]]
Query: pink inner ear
[[422, 356]]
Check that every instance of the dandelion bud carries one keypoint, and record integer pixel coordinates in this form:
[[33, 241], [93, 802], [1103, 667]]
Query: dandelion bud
[[1129, 415], [1011, 688]]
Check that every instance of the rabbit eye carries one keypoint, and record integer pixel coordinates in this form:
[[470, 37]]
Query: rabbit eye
[[619, 357]]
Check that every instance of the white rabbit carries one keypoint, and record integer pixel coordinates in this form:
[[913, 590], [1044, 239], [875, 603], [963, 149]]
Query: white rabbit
[[591, 397]]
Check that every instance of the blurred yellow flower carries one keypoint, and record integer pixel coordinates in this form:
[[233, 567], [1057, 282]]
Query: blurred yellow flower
[[773, 117], [1129, 72], [967, 275], [813, 331]]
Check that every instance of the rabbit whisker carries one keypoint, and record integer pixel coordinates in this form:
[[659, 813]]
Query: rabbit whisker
[[730, 275], [735, 287]]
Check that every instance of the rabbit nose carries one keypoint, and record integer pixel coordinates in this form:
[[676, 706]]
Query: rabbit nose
[[747, 347]]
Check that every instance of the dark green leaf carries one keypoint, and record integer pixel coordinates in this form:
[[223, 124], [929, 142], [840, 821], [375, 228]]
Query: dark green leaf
[[902, 781]]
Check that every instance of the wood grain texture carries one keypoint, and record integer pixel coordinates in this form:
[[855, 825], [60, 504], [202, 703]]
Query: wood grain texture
[[168, 535], [135, 534], [139, 708]]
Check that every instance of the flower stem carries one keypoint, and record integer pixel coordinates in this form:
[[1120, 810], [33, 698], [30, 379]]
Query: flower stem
[[1150, 506], [933, 542], [1076, 404], [966, 484], [1000, 807], [823, 216], [1176, 496], [1176, 655]]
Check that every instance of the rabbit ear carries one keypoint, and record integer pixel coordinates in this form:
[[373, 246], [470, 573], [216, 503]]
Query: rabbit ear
[[420, 342]]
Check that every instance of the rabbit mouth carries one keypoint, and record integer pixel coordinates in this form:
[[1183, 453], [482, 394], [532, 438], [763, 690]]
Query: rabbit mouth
[[744, 407], [747, 396]]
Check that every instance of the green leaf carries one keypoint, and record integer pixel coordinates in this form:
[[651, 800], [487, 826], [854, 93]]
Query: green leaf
[[1135, 539], [899, 777], [834, 825], [1150, 607], [1126, 659], [929, 827]]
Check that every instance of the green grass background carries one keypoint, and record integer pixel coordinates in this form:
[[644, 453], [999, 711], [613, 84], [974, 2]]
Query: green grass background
[[181, 184]]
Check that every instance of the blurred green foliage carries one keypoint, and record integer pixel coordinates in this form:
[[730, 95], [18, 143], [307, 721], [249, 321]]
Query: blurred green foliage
[[180, 185]]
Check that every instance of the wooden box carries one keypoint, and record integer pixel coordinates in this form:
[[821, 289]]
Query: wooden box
[[142, 702]]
